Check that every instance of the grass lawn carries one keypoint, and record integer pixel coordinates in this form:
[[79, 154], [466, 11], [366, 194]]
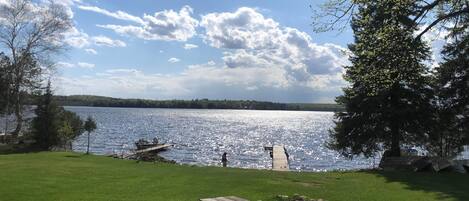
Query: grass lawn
[[73, 176]]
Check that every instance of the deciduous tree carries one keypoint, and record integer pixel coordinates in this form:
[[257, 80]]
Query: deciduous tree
[[30, 35]]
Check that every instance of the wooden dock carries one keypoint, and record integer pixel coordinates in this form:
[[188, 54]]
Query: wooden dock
[[279, 159], [155, 148]]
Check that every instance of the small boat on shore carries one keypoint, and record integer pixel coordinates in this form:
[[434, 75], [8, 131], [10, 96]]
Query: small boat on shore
[[145, 144]]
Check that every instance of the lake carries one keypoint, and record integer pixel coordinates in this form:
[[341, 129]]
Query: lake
[[201, 136]]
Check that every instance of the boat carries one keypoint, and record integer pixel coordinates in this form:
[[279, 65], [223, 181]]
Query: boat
[[145, 144]]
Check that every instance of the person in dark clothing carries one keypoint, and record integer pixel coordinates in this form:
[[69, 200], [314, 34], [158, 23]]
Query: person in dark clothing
[[224, 160]]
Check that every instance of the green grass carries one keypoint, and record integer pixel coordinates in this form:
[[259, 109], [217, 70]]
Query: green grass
[[72, 176]]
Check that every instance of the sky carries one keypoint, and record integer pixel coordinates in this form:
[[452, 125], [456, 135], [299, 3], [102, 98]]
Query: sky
[[262, 50]]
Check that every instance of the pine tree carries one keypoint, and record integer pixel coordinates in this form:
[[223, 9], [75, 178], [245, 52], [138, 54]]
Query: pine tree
[[452, 131], [388, 100], [47, 121]]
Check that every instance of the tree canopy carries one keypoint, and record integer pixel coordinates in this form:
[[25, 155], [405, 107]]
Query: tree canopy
[[388, 100]]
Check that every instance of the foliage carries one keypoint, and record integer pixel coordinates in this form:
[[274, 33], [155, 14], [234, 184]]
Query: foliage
[[53, 125], [90, 124], [452, 85], [65, 134], [5, 68], [388, 101], [30, 34], [100, 101], [46, 123]]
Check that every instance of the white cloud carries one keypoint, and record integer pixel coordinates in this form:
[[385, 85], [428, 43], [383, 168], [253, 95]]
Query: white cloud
[[85, 65], [262, 60], [436, 39], [62, 64], [106, 41], [76, 38], [173, 60], [164, 25], [80, 39], [91, 51], [252, 40], [245, 28], [67, 4], [4, 2], [65, 65], [189, 46], [118, 15], [204, 81]]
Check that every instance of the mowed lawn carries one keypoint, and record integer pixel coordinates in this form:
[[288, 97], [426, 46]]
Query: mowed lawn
[[73, 176]]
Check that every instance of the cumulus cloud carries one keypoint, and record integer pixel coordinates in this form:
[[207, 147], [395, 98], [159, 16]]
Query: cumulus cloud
[[253, 40], [106, 41], [173, 60], [245, 28], [189, 46], [262, 60], [167, 25]]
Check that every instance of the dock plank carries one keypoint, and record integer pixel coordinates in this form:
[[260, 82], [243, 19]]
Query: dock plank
[[279, 159], [155, 148]]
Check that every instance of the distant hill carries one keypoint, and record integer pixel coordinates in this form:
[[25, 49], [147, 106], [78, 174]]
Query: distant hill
[[102, 101]]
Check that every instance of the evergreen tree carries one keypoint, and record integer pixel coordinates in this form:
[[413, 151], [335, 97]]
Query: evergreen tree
[[53, 125], [388, 100], [47, 121], [452, 131]]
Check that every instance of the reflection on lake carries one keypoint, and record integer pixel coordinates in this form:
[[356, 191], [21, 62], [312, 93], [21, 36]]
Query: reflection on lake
[[201, 136]]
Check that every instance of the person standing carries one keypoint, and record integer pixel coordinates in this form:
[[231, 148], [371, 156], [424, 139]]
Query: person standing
[[224, 160]]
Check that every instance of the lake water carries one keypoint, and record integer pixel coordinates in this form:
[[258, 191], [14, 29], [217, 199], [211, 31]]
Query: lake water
[[201, 136]]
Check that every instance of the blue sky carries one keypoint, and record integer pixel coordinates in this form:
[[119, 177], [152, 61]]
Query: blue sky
[[260, 50]]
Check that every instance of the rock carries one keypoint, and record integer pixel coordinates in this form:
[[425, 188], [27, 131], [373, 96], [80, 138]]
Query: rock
[[461, 166], [402, 163], [440, 164], [422, 164]]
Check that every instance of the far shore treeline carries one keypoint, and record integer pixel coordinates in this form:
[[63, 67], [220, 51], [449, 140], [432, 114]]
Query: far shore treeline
[[102, 101]]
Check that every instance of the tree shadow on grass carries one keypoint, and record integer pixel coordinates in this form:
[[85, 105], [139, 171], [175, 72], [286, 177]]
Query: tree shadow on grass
[[447, 185], [74, 156], [18, 149]]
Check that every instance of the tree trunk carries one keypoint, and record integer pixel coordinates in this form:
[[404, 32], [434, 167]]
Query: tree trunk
[[19, 119], [395, 141], [394, 118], [18, 102], [88, 147]]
